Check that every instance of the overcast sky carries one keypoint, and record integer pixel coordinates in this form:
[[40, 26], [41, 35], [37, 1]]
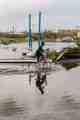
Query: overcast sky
[[60, 13]]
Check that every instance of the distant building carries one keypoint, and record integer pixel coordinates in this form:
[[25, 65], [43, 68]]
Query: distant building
[[78, 34]]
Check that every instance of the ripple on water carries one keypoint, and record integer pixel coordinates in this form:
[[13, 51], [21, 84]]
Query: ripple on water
[[68, 102], [56, 116], [9, 107]]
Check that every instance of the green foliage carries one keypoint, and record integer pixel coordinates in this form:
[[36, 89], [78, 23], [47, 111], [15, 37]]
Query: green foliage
[[52, 55]]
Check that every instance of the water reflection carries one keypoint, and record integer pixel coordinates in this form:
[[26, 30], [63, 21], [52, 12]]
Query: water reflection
[[70, 65], [68, 102]]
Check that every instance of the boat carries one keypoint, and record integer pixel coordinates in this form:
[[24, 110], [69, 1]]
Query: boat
[[27, 60]]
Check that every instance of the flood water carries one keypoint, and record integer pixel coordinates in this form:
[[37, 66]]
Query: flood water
[[61, 100], [20, 101]]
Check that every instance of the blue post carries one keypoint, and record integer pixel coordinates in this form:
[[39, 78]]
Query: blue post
[[30, 33], [39, 40]]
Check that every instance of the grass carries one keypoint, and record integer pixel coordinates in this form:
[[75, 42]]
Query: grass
[[72, 50], [6, 40]]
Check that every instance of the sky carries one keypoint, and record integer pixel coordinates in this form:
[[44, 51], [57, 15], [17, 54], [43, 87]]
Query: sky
[[55, 14]]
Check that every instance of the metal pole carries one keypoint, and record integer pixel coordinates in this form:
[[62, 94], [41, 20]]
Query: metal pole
[[30, 33], [39, 39]]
